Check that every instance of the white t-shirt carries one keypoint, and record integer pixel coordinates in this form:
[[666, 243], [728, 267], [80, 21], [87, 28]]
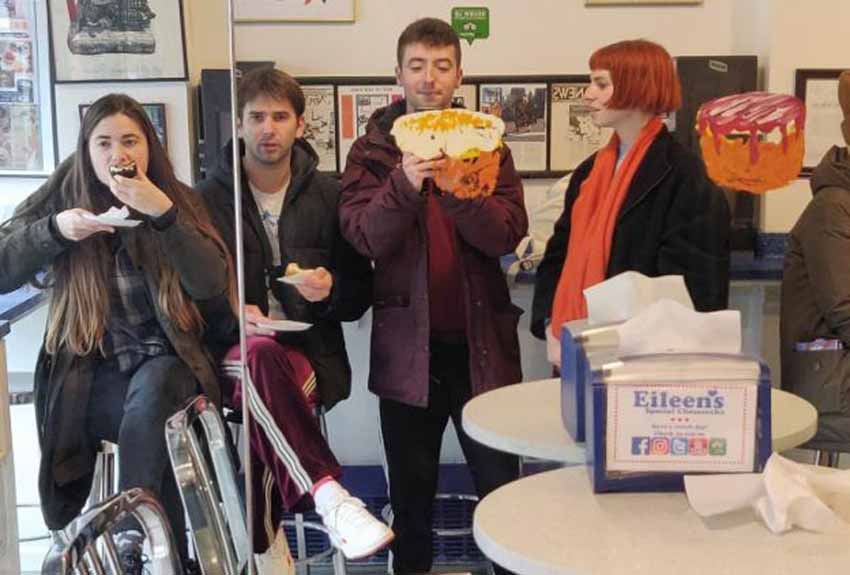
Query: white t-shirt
[[270, 207]]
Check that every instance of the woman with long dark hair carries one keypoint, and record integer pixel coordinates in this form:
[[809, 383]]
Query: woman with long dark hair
[[130, 310]]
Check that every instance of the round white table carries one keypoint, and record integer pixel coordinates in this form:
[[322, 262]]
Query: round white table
[[525, 419], [552, 524]]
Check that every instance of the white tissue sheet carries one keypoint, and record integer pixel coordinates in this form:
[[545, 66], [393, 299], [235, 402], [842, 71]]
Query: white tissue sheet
[[786, 495], [667, 326], [625, 295]]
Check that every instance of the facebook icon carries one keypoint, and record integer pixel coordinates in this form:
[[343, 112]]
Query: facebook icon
[[640, 445]]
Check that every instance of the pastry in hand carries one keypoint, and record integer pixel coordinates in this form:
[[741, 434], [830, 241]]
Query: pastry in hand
[[127, 170], [469, 141], [292, 269]]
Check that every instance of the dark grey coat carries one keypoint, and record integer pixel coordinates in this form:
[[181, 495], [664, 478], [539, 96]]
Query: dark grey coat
[[816, 301]]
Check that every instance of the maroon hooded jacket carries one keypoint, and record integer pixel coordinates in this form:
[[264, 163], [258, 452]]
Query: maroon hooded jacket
[[384, 218]]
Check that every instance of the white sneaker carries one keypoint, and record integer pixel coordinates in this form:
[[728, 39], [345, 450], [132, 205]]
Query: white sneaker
[[352, 529]]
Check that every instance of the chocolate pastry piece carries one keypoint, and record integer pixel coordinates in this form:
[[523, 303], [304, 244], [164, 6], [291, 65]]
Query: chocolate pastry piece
[[125, 170]]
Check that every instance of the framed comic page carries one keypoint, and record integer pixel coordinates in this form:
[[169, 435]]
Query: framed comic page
[[320, 122], [26, 130], [574, 136], [117, 40], [356, 104]]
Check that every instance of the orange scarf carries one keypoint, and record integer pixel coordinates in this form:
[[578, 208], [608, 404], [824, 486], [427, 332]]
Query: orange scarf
[[592, 224]]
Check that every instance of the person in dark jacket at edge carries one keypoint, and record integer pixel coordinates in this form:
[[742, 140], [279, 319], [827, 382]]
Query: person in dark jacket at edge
[[814, 321], [444, 327], [641, 203], [131, 310], [289, 212]]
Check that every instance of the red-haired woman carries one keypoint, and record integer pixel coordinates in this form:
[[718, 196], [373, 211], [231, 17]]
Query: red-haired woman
[[131, 310], [641, 203]]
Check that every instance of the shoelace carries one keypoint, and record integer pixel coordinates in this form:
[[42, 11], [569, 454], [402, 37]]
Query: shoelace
[[134, 562], [348, 510]]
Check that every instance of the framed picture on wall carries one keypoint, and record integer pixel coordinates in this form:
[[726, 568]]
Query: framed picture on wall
[[294, 10], [524, 109], [156, 114], [466, 96], [26, 132], [117, 40], [574, 136], [356, 104], [320, 123], [818, 88]]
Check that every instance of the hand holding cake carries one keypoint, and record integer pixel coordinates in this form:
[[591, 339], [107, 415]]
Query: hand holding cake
[[462, 146]]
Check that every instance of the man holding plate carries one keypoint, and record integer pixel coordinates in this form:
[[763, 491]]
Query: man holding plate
[[296, 352], [434, 199]]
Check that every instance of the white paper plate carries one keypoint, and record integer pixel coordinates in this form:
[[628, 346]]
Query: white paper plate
[[116, 222], [294, 279], [285, 325]]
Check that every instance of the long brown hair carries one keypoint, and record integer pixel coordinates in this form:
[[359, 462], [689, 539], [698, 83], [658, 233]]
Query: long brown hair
[[80, 306]]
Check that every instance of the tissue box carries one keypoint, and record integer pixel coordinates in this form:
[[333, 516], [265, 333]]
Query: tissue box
[[580, 342], [652, 419]]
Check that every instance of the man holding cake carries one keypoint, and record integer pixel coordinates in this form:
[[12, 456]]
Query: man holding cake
[[420, 196]]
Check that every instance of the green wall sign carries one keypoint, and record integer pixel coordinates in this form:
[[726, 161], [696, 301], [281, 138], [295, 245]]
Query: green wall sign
[[471, 23]]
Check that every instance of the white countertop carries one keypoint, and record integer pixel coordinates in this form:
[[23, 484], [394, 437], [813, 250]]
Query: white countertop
[[552, 524]]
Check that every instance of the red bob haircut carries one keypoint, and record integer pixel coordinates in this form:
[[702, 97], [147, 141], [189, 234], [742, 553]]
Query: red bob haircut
[[643, 75]]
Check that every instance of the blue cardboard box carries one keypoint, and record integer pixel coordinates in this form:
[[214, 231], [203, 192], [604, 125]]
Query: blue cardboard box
[[694, 413], [579, 342]]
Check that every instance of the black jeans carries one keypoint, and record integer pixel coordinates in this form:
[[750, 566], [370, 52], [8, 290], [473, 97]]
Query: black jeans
[[412, 439], [130, 409]]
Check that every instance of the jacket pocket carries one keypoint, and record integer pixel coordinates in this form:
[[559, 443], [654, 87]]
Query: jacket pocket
[[393, 336], [821, 377], [505, 323]]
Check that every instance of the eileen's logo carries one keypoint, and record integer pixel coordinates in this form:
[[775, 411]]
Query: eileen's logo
[[665, 399]]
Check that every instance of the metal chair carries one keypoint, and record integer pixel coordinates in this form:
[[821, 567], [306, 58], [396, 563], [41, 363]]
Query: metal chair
[[206, 479], [827, 458], [89, 544]]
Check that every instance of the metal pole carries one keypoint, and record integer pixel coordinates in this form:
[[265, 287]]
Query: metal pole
[[240, 283]]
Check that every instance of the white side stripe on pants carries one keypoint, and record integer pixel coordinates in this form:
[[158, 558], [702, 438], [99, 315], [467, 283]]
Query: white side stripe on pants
[[278, 441]]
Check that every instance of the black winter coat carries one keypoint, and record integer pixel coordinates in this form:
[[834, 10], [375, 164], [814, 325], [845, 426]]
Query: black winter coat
[[674, 221], [309, 235]]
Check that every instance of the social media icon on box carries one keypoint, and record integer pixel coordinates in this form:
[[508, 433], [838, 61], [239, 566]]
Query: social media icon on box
[[640, 445], [698, 445], [659, 446], [717, 446], [679, 446]]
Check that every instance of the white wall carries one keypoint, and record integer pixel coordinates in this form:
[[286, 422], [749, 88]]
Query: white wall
[[800, 35]]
